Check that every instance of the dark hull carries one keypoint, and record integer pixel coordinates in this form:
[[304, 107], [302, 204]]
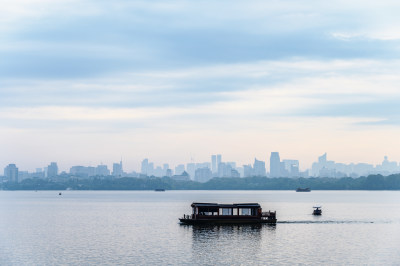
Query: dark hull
[[227, 221], [303, 190]]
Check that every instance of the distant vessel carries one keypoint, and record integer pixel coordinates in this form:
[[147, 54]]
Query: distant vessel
[[237, 213], [159, 189], [317, 210], [303, 189]]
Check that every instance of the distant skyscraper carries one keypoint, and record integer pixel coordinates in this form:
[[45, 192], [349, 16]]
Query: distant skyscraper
[[219, 160], [213, 163], [52, 170], [191, 168], [275, 164], [247, 170], [150, 169], [11, 172], [259, 168], [322, 158], [117, 169], [290, 168], [145, 165], [203, 174], [102, 170], [165, 167], [179, 169]]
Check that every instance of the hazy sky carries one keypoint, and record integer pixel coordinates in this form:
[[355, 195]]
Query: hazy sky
[[84, 82]]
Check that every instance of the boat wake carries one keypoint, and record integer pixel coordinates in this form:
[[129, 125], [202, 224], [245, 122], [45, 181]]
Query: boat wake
[[325, 222]]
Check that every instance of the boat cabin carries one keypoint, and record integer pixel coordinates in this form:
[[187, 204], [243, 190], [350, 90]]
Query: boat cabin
[[317, 210], [214, 209]]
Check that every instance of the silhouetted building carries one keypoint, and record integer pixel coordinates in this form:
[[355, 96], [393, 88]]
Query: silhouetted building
[[275, 164], [291, 168], [235, 173], [214, 163], [191, 168], [182, 177], [259, 168], [179, 169], [219, 160], [102, 170], [80, 171], [203, 174], [144, 168], [117, 169], [11, 173], [247, 170], [168, 172], [52, 170]]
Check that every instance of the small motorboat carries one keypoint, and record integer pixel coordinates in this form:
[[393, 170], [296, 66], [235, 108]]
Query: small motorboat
[[317, 210]]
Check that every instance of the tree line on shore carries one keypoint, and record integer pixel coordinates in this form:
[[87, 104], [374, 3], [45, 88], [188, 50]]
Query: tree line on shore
[[371, 182]]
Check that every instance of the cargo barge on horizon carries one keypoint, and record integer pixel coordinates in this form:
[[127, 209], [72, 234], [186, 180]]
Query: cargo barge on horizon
[[237, 213]]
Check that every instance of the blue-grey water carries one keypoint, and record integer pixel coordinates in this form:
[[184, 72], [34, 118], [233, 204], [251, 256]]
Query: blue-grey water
[[141, 228]]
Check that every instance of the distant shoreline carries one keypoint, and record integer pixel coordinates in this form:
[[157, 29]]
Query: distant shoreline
[[372, 182]]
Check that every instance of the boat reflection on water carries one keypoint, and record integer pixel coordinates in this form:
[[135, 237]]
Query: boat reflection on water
[[216, 244]]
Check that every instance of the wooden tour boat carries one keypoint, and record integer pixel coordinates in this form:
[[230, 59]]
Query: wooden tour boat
[[317, 210], [237, 213]]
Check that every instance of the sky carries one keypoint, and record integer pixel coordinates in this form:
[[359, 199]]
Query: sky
[[90, 82]]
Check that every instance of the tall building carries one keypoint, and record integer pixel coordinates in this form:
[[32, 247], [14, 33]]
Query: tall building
[[179, 169], [275, 164], [145, 165], [291, 168], [11, 173], [79, 171], [117, 169], [52, 170], [203, 174], [247, 170], [219, 160], [259, 168], [102, 170], [213, 163], [191, 168]]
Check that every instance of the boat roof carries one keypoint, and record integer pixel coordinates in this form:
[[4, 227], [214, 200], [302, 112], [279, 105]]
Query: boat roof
[[234, 205]]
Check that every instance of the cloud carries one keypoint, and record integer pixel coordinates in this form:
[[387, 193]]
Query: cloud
[[74, 39], [214, 71]]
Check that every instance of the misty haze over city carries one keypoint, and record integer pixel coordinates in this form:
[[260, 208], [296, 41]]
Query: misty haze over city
[[216, 167], [89, 82]]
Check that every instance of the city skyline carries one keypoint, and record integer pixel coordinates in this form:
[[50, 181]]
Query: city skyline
[[86, 82], [278, 167]]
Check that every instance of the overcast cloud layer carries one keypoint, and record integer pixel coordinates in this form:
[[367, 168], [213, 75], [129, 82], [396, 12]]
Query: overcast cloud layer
[[84, 82]]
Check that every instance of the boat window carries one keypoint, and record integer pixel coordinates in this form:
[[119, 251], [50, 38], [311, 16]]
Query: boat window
[[226, 211], [245, 211], [235, 211]]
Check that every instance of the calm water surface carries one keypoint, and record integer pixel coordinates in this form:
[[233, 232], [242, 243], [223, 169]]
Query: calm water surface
[[141, 228]]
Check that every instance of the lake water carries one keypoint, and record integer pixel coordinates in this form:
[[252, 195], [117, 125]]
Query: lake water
[[141, 228]]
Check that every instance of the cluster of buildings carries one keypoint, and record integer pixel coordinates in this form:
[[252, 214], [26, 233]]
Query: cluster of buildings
[[324, 167], [202, 172]]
